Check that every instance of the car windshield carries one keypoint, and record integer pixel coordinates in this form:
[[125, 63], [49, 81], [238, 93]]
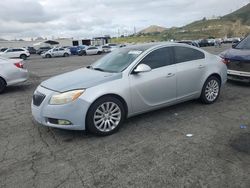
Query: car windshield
[[116, 61], [244, 44]]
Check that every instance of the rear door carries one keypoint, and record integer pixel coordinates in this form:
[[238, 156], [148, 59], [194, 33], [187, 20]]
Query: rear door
[[152, 89], [190, 67]]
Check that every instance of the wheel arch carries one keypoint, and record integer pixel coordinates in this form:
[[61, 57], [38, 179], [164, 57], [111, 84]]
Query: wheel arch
[[121, 99], [1, 77], [215, 75]]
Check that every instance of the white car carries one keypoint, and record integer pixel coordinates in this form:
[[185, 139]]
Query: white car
[[12, 71], [56, 52], [15, 53], [90, 50]]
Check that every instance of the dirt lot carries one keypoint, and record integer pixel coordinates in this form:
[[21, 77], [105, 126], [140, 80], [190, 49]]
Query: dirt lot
[[150, 150]]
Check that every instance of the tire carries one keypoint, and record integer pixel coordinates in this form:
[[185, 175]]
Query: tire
[[99, 53], [102, 123], [2, 85], [211, 90], [66, 55], [48, 56], [23, 56]]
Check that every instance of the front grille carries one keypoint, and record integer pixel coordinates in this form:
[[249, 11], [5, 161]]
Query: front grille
[[239, 65], [38, 98]]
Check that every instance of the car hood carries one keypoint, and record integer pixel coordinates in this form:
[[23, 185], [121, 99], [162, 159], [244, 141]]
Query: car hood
[[79, 79], [236, 54]]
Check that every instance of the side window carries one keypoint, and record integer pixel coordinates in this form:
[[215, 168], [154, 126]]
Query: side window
[[9, 50], [159, 58], [183, 54], [61, 49]]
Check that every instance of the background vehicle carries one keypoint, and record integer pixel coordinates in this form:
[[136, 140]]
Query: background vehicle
[[90, 50], [43, 49], [106, 48], [12, 71], [189, 42], [31, 50], [57, 52], [15, 53], [127, 82], [204, 43], [3, 49], [237, 60], [73, 50]]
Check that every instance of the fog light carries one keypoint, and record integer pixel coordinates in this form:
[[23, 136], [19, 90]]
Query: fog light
[[59, 121], [64, 122]]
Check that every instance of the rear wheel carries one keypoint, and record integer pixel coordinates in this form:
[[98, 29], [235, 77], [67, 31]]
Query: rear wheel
[[48, 56], [66, 55], [23, 56], [2, 85], [99, 53], [105, 116], [210, 90]]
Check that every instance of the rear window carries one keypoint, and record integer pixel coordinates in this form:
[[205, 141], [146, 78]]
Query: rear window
[[183, 54], [244, 44]]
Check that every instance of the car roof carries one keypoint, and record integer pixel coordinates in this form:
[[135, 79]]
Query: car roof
[[144, 47]]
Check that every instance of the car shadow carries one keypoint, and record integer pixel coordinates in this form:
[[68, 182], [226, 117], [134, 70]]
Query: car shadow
[[238, 83], [73, 135], [18, 88]]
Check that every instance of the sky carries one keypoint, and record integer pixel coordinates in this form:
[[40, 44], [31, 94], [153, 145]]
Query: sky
[[91, 18]]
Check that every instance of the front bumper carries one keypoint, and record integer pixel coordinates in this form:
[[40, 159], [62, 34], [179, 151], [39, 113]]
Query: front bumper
[[238, 75], [75, 112]]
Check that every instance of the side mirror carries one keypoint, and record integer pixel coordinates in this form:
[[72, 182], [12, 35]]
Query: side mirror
[[142, 68]]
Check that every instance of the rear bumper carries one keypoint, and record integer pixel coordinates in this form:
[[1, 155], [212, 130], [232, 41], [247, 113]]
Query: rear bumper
[[238, 75]]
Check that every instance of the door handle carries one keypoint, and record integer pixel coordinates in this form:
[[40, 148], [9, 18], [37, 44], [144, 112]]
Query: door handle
[[201, 66], [170, 75]]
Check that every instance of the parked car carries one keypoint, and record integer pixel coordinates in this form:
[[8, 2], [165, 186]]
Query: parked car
[[237, 60], [106, 49], [90, 50], [189, 42], [56, 52], [203, 43], [127, 82], [43, 49], [15, 53], [31, 50], [3, 49], [13, 71], [74, 50]]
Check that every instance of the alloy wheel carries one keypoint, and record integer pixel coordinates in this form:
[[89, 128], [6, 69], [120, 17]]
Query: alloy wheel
[[107, 117]]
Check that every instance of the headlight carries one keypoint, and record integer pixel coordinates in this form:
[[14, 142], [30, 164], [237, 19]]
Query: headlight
[[66, 97]]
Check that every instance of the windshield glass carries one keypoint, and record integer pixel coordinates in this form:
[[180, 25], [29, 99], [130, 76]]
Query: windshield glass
[[117, 61], [244, 44]]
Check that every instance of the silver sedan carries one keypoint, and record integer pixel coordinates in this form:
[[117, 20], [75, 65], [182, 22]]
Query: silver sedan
[[127, 82], [12, 71]]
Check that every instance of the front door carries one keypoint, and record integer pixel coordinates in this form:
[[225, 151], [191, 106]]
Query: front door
[[157, 87]]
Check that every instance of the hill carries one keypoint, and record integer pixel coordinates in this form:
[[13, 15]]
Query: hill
[[242, 14], [153, 29], [235, 24]]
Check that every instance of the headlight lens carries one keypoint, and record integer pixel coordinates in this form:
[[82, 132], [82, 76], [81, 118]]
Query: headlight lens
[[66, 97]]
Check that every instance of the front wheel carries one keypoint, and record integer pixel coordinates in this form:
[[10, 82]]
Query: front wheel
[[105, 116], [23, 56], [2, 85], [210, 90], [66, 55], [48, 56]]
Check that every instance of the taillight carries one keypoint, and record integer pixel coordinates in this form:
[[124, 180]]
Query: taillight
[[19, 65], [225, 61]]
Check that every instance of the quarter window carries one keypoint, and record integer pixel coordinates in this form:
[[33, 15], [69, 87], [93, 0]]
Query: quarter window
[[183, 54], [159, 58]]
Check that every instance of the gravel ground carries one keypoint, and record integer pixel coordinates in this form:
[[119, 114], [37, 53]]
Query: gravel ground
[[150, 150]]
